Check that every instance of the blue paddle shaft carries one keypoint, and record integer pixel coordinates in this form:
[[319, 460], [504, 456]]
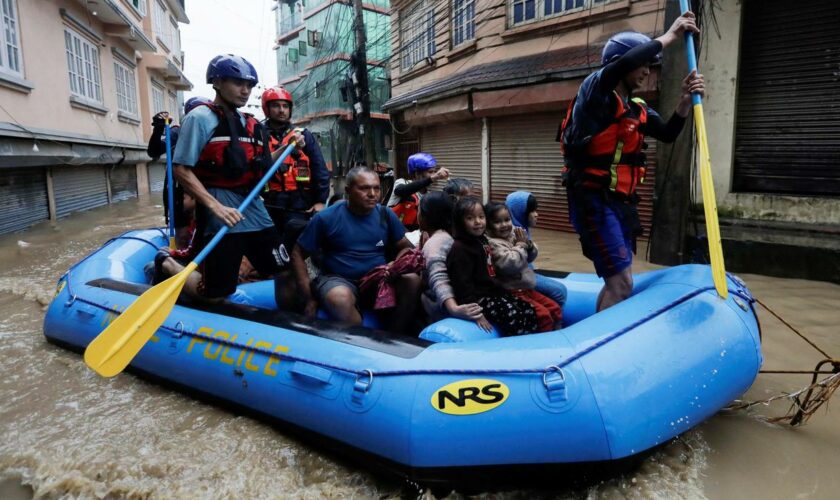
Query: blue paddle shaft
[[170, 195], [689, 47], [253, 194]]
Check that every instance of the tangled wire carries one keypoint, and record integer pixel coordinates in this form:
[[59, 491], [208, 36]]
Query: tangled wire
[[801, 407], [806, 401]]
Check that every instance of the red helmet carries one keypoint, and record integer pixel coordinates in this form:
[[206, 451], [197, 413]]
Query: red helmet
[[275, 94]]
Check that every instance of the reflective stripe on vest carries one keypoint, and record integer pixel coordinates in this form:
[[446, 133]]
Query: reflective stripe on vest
[[613, 158], [298, 173], [211, 169]]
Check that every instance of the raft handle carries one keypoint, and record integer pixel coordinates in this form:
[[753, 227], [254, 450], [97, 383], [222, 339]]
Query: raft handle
[[178, 331], [555, 383], [362, 386]]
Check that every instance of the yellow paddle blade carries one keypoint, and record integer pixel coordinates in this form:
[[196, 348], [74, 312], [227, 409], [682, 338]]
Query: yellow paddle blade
[[710, 205], [113, 349]]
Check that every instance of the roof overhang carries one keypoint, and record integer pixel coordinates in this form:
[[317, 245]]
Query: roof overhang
[[178, 10], [558, 65], [119, 24], [170, 72]]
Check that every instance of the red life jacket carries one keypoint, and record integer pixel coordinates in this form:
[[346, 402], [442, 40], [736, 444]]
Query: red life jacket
[[214, 168], [406, 210], [613, 158], [298, 174]]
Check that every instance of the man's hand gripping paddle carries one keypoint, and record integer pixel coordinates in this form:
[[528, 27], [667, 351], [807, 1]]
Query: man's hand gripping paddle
[[113, 349], [706, 183]]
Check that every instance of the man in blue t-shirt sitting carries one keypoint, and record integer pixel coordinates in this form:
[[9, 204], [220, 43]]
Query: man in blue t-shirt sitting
[[350, 238]]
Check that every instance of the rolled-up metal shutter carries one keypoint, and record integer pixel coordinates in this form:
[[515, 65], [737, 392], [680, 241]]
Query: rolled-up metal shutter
[[79, 188], [646, 189], [23, 198], [123, 182], [524, 155], [157, 176], [788, 116], [456, 146]]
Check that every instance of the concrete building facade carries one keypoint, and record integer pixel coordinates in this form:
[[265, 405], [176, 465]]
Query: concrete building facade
[[483, 85], [79, 83], [773, 123], [314, 47]]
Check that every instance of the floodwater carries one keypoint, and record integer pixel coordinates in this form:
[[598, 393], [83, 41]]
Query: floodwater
[[65, 432]]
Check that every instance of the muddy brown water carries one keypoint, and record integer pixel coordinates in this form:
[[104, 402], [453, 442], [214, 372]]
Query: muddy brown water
[[67, 433]]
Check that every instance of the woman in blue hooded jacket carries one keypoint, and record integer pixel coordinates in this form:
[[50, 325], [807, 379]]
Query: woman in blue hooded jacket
[[522, 206]]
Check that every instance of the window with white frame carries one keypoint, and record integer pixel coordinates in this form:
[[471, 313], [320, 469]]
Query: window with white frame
[[139, 6], [126, 89], [174, 109], [174, 37], [526, 11], [463, 21], [157, 99], [417, 33], [82, 66], [161, 24], [10, 59]]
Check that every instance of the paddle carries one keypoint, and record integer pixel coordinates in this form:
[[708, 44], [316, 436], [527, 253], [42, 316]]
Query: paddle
[[113, 349], [170, 196], [706, 183]]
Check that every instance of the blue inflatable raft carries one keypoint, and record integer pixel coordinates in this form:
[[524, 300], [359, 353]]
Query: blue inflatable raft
[[606, 387]]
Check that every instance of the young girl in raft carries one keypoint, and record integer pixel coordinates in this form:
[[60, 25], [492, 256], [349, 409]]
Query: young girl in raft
[[435, 217], [512, 251], [473, 278], [522, 206]]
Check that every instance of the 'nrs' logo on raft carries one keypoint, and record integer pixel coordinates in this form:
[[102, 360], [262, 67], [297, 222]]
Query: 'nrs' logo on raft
[[468, 397]]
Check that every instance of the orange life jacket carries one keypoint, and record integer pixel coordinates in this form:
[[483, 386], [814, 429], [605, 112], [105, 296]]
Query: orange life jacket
[[406, 210], [614, 157], [216, 166], [298, 174]]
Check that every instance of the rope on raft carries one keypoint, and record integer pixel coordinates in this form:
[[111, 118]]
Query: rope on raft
[[806, 401]]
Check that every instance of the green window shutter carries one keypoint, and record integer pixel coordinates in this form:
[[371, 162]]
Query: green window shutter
[[293, 55], [302, 48]]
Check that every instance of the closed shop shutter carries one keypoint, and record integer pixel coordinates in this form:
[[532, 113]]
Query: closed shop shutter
[[524, 156], [79, 188], [456, 146], [123, 182], [157, 176], [23, 198], [788, 116]]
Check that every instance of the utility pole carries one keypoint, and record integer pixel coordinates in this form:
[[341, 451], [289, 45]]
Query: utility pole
[[361, 85]]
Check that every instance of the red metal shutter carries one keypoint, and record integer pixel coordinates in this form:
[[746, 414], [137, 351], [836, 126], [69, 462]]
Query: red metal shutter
[[456, 146], [524, 155]]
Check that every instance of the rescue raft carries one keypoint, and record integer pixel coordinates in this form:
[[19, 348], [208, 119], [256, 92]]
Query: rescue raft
[[456, 400]]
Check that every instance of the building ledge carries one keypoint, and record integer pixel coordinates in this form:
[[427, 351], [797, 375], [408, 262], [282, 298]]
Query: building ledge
[[289, 35], [462, 50], [133, 34], [171, 73], [84, 104], [127, 118], [782, 249], [16, 83], [8, 129]]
